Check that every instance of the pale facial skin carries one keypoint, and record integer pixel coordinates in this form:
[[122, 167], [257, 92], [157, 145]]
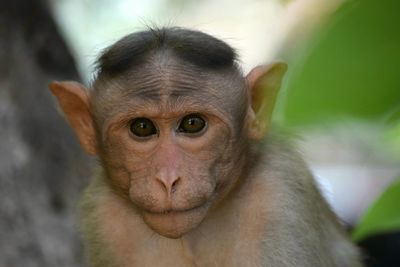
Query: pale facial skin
[[170, 169]]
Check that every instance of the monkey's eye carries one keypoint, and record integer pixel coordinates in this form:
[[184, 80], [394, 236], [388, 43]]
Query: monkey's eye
[[191, 124], [142, 127]]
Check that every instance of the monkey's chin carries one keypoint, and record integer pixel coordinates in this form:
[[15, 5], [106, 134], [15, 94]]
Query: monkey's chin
[[175, 224]]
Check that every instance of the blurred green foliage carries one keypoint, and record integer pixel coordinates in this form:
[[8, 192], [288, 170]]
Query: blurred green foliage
[[351, 67]]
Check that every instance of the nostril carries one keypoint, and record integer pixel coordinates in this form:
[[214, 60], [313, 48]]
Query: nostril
[[174, 185]]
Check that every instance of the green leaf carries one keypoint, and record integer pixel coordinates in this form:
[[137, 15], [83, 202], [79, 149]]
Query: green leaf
[[350, 69], [382, 216]]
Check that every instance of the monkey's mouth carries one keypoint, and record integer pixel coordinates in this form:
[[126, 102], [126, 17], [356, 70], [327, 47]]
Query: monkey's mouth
[[177, 211]]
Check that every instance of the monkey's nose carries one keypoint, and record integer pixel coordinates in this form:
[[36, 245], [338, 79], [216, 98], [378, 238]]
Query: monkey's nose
[[169, 183]]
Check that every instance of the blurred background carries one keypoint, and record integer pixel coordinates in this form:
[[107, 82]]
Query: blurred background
[[341, 96]]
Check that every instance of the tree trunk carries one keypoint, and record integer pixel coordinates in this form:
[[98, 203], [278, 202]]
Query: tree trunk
[[42, 169]]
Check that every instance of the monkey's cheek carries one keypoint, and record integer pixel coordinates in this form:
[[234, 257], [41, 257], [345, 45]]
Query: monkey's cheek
[[175, 224]]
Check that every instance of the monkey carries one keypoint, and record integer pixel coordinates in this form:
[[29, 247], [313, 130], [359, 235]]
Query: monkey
[[189, 172]]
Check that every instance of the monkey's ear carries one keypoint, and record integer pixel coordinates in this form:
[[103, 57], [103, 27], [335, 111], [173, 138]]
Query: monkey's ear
[[74, 101], [264, 83]]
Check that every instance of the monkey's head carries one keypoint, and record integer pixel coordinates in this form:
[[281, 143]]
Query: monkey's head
[[170, 116]]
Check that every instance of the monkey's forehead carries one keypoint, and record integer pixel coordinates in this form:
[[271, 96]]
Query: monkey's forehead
[[170, 78]]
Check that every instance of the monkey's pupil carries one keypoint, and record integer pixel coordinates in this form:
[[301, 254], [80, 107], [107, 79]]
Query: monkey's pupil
[[192, 124], [143, 127]]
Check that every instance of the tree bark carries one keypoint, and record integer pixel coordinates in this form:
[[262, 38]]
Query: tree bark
[[42, 168]]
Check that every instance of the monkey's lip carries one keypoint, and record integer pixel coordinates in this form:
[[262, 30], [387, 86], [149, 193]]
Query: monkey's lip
[[177, 211]]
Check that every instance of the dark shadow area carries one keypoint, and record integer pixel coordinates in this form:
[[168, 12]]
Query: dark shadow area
[[382, 250]]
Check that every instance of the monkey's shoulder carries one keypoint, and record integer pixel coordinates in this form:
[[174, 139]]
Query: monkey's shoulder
[[283, 197]]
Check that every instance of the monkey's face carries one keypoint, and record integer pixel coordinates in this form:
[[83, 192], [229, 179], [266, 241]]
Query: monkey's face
[[173, 157]]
